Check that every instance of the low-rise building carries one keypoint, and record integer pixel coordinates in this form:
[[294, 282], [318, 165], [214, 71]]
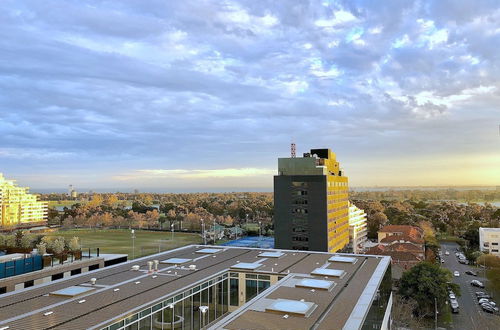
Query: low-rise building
[[404, 244], [213, 287], [489, 240], [357, 228]]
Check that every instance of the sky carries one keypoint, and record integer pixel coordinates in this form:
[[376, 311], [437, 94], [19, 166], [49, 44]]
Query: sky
[[199, 95]]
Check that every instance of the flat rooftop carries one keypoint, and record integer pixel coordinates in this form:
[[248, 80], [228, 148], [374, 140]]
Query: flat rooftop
[[339, 295]]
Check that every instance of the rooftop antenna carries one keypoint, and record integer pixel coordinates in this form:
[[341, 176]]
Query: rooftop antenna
[[293, 150]]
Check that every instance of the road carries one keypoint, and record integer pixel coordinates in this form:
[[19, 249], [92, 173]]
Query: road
[[471, 315]]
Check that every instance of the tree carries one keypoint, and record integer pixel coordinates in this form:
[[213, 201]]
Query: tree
[[426, 282], [375, 222], [403, 315], [42, 248], [57, 245], [74, 244], [152, 218]]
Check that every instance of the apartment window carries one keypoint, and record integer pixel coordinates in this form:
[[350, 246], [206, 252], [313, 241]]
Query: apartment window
[[496, 250], [494, 243], [233, 291]]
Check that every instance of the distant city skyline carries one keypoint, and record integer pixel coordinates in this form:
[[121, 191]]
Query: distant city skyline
[[206, 96]]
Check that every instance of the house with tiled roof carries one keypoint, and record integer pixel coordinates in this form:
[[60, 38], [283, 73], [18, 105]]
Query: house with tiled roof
[[404, 244]]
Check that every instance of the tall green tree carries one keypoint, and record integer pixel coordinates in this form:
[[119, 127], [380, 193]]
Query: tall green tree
[[426, 282]]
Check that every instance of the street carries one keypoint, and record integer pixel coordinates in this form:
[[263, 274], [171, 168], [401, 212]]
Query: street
[[471, 315]]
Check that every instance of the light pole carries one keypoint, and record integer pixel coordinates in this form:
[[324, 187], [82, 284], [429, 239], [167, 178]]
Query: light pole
[[133, 244], [172, 312], [203, 310], [203, 232], [172, 229], [215, 237], [260, 233]]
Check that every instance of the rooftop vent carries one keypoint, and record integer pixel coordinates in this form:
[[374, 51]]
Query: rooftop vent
[[176, 261], [271, 254], [343, 259], [291, 307], [247, 265], [71, 291], [315, 284], [208, 251], [328, 272]]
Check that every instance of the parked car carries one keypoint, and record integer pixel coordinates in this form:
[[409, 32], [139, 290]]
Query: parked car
[[487, 296], [452, 296], [447, 253], [477, 284], [480, 293], [483, 300], [454, 306], [470, 272], [456, 273], [489, 308]]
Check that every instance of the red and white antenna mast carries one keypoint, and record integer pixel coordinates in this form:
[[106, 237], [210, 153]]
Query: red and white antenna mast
[[293, 150]]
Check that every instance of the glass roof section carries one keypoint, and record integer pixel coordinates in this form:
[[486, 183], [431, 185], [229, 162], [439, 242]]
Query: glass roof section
[[315, 284], [271, 254], [208, 251], [176, 261], [328, 272], [287, 306], [72, 291], [247, 265], [343, 259]]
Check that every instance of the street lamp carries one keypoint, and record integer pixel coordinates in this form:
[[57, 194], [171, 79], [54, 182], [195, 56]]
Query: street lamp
[[133, 243], [172, 229], [215, 237], [203, 310]]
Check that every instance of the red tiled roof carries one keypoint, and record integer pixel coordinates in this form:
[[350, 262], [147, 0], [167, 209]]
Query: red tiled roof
[[405, 247], [411, 231], [398, 253], [404, 237]]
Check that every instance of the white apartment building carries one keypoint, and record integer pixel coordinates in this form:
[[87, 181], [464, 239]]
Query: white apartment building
[[489, 240], [357, 228]]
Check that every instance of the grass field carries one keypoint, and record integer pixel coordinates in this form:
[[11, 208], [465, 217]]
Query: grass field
[[67, 203], [120, 240]]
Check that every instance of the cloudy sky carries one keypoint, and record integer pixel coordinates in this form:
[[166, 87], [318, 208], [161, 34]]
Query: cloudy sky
[[199, 95]]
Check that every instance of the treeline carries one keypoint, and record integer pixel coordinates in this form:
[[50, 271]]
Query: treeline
[[25, 241], [161, 211], [447, 217], [429, 195]]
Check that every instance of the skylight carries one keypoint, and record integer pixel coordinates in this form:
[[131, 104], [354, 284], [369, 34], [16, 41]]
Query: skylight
[[328, 272], [246, 265], [72, 291], [294, 307], [343, 259], [315, 284], [208, 251], [271, 254], [176, 261]]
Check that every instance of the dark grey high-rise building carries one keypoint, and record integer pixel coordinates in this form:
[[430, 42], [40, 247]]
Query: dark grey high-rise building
[[311, 203]]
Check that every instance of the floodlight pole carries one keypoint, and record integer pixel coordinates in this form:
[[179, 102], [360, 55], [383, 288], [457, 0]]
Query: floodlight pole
[[203, 310], [133, 243]]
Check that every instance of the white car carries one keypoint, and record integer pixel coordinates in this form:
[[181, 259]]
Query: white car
[[452, 296], [447, 253], [456, 273]]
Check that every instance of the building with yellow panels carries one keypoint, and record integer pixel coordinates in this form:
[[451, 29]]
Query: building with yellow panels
[[311, 207], [18, 208]]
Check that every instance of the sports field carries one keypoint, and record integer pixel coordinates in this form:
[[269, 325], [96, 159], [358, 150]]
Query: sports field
[[120, 240]]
